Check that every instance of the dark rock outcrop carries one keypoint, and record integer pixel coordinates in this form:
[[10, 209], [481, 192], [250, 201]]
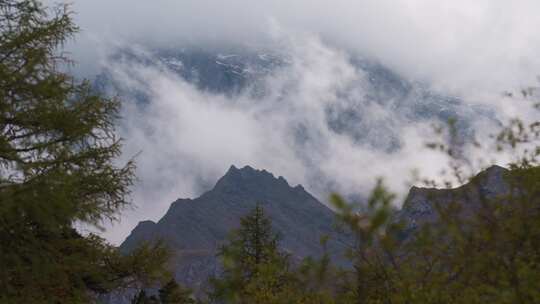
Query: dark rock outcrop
[[196, 228], [420, 206]]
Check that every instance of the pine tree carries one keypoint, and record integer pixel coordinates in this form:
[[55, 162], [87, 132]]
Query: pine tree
[[57, 154], [256, 271], [253, 264], [173, 293], [142, 298], [256, 241]]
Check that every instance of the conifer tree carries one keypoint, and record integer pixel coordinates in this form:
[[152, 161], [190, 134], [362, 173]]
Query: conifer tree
[[142, 298], [257, 271], [256, 241], [57, 168], [173, 293], [253, 264]]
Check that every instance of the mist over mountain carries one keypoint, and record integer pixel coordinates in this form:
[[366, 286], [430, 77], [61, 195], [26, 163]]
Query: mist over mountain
[[369, 110], [308, 110], [468, 47], [239, 73], [330, 94]]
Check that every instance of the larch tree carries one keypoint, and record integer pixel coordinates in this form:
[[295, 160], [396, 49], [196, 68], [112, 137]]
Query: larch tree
[[57, 169], [253, 265], [174, 293]]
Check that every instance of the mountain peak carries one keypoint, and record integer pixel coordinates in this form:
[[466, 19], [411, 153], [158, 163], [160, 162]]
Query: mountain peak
[[196, 228], [245, 170], [248, 178]]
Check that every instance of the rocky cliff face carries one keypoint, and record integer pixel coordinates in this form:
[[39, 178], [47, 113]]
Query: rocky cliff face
[[196, 228], [420, 207]]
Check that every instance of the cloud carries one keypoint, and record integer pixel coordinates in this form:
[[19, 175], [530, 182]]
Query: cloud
[[187, 138], [462, 46]]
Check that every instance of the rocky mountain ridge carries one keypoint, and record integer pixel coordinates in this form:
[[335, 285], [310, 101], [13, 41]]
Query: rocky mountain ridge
[[195, 228]]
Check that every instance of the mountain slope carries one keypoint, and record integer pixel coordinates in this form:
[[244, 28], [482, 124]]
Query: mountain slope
[[195, 228]]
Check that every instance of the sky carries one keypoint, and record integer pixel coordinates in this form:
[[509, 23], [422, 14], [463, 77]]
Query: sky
[[458, 44], [470, 49]]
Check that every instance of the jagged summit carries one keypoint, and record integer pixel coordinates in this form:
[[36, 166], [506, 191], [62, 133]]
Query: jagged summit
[[248, 177]]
